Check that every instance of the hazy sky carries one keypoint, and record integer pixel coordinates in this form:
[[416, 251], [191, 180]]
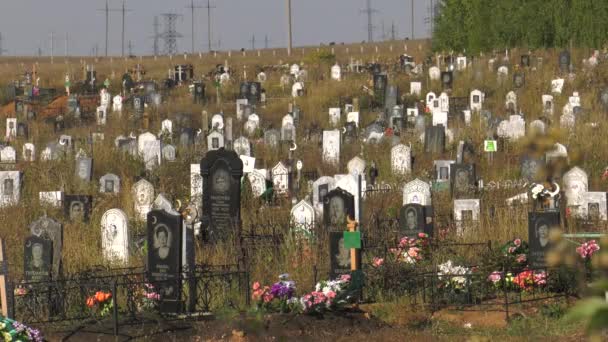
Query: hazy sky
[[26, 25]]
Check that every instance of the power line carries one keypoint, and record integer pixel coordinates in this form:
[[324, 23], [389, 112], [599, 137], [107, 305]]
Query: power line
[[156, 36], [192, 9], [124, 10], [393, 31], [370, 26], [107, 11], [252, 41]]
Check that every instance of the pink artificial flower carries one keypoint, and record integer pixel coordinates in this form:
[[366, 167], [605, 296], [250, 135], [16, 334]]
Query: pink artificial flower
[[495, 277], [517, 242], [511, 250], [256, 286], [268, 298], [331, 294], [345, 277], [521, 258], [413, 252], [422, 235], [377, 262], [540, 278]]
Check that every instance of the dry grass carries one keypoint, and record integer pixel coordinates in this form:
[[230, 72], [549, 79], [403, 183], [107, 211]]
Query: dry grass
[[82, 247]]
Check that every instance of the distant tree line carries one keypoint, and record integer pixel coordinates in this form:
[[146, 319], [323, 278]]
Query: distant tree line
[[484, 25]]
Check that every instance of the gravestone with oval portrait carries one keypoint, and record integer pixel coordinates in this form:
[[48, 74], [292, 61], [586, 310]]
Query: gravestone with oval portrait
[[540, 225], [221, 171], [417, 192], [49, 229], [77, 208], [412, 220], [215, 141], [463, 180], [593, 207], [164, 257], [29, 152], [109, 184], [338, 204], [10, 188], [340, 262], [143, 196], [38, 259], [115, 236]]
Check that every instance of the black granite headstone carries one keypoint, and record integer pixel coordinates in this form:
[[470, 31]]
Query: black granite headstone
[[525, 61], [539, 226], [77, 207], [463, 180], [447, 78], [164, 257], [412, 220], [434, 139], [564, 61], [221, 171], [199, 92], [49, 229], [38, 259]]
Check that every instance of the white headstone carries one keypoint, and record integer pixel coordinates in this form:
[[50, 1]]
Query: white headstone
[[434, 73], [115, 236], [417, 192], [8, 155], [257, 179], [117, 103], [401, 159], [10, 184], [476, 100], [217, 122], [215, 141], [356, 166], [334, 116], [11, 128], [557, 85], [415, 88], [29, 152], [280, 178], [143, 196], [353, 117], [336, 72], [576, 183], [331, 146]]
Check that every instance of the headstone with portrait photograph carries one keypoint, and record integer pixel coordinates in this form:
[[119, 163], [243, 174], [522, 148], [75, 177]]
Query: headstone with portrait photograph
[[540, 225]]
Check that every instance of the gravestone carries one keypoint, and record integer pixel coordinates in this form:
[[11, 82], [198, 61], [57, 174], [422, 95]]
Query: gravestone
[[466, 213], [434, 139], [221, 171], [280, 178], [164, 257], [519, 80], [340, 262], [356, 166], [380, 85], [29, 152], [564, 61], [603, 99], [337, 205], [476, 100], [8, 155], [537, 127], [11, 128], [252, 124], [168, 153], [242, 147], [401, 159], [567, 121], [115, 236], [392, 95], [334, 116], [117, 104], [559, 151], [442, 170], [417, 192], [320, 188], [331, 147], [594, 207], [415, 88], [38, 258], [77, 208], [196, 185], [336, 72], [557, 85], [547, 101], [166, 127], [540, 225], [109, 184], [241, 104], [84, 169], [272, 137], [217, 122], [215, 141], [10, 183], [288, 132], [412, 220], [143, 196], [576, 184], [434, 73], [463, 180], [257, 179], [353, 117], [51, 230], [50, 198], [303, 217]]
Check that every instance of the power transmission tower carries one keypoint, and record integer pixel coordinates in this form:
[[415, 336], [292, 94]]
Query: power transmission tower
[[252, 41], [130, 49], [266, 41], [370, 26], [107, 11], [66, 44], [170, 34], [52, 46], [209, 8], [393, 31], [192, 9], [2, 50], [412, 19], [384, 36], [156, 35]]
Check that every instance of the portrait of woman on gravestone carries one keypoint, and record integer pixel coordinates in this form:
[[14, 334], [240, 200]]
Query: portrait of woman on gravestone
[[336, 211], [542, 233], [109, 185], [37, 264], [462, 180], [82, 169], [342, 258], [162, 241], [142, 196]]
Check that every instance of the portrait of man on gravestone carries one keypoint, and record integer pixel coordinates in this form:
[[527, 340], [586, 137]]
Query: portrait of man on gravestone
[[336, 211], [83, 171], [220, 182], [215, 142], [343, 256], [162, 241], [593, 211], [411, 218], [143, 197], [76, 210], [461, 182], [37, 264]]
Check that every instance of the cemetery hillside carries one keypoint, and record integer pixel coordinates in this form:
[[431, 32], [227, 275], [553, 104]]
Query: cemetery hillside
[[449, 188]]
